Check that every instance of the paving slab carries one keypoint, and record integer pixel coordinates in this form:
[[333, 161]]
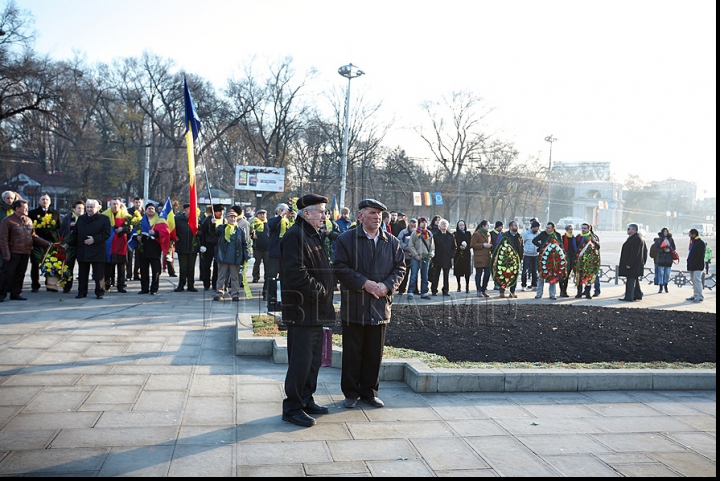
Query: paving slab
[[112, 388]]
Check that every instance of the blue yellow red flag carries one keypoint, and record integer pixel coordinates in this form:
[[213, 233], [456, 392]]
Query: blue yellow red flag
[[192, 129]]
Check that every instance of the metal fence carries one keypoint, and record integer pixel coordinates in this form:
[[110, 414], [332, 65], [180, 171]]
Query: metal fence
[[679, 278]]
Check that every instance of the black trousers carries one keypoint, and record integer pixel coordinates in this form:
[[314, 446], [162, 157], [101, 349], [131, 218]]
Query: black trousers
[[129, 264], [529, 266], [272, 269], [13, 275], [98, 270], [446, 279], [209, 269], [362, 355], [260, 256], [70, 263], [35, 275], [187, 270], [110, 279], [632, 289], [148, 283], [304, 348]]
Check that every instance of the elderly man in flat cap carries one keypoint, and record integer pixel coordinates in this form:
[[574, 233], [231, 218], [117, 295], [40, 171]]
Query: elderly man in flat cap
[[370, 265], [307, 283]]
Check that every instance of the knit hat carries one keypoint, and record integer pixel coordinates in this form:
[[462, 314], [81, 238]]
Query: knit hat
[[498, 224], [535, 224], [422, 219]]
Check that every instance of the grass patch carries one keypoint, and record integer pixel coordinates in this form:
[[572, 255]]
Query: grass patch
[[264, 325]]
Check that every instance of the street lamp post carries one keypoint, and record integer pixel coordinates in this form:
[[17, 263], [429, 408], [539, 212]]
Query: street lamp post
[[348, 71], [550, 139]]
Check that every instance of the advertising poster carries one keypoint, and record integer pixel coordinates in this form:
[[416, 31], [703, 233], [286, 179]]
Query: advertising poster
[[264, 179]]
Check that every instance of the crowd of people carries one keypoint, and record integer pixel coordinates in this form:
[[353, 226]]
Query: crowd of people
[[306, 256]]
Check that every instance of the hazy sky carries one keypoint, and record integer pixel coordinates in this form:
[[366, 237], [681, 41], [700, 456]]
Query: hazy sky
[[628, 82]]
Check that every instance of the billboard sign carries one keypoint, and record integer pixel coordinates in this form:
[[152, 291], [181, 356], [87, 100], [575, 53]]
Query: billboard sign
[[265, 179]]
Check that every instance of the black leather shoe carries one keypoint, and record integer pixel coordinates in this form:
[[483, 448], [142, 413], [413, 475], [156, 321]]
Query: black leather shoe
[[17, 298], [35, 290], [179, 289], [122, 290], [100, 297], [626, 300], [153, 293], [374, 402], [350, 403], [578, 296], [80, 296], [192, 289], [299, 419], [144, 292], [316, 409]]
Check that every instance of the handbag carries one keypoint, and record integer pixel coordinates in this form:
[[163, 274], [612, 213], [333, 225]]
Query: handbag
[[676, 257]]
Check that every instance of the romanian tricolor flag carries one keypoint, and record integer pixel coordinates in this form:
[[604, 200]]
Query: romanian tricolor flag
[[427, 198], [192, 129], [167, 213]]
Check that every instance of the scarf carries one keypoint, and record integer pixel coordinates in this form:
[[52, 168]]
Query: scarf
[[122, 213], [156, 219], [424, 233], [484, 232], [229, 231]]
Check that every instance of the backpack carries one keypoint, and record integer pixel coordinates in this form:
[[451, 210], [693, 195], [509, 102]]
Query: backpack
[[653, 252]]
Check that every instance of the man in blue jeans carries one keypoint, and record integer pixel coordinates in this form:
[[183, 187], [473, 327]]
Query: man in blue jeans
[[422, 249]]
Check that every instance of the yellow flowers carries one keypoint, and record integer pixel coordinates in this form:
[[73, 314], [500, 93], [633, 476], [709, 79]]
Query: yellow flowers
[[46, 222]]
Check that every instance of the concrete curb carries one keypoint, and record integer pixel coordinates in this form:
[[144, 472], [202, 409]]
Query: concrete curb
[[423, 379]]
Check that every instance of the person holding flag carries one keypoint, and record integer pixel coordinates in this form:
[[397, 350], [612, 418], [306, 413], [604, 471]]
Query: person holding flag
[[116, 246], [167, 261], [153, 241]]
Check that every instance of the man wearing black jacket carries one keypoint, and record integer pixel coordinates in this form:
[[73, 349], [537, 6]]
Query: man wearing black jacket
[[370, 265], [307, 285], [632, 263], [92, 230], [695, 264], [187, 248], [208, 241], [49, 233]]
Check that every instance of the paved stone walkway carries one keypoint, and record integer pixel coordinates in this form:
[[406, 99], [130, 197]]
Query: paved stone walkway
[[139, 385]]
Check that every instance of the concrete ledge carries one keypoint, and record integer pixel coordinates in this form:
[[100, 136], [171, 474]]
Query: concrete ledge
[[421, 378]]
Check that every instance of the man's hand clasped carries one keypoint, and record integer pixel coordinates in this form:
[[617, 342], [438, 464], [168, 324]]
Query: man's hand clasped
[[376, 289]]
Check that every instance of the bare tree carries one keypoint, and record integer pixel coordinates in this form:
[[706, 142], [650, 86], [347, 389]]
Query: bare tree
[[455, 134]]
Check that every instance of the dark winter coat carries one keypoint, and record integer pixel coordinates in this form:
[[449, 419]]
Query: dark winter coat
[[207, 234], [664, 259], [633, 257], [186, 242], [273, 228], [463, 258], [98, 227], [233, 252], [444, 250], [306, 277], [696, 256], [516, 241], [354, 264]]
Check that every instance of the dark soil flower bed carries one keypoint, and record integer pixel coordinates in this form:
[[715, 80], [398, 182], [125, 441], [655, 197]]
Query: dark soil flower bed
[[511, 333]]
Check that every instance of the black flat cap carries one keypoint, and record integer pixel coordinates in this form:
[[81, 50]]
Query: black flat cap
[[375, 204], [185, 206], [400, 214], [218, 208], [310, 199]]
